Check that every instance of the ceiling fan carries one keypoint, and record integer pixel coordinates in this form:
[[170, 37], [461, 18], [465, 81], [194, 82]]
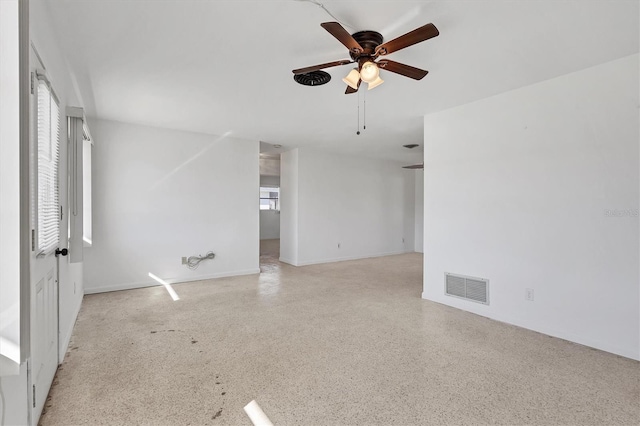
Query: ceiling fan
[[366, 48]]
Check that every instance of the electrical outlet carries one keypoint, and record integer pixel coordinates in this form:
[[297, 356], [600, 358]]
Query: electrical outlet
[[528, 294], [184, 260]]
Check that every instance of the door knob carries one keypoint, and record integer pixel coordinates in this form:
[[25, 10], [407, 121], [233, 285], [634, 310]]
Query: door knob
[[63, 252]]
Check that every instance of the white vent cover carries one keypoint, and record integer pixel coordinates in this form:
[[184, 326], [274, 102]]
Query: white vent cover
[[469, 288]]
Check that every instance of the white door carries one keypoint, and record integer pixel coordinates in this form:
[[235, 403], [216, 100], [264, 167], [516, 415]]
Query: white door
[[45, 219]]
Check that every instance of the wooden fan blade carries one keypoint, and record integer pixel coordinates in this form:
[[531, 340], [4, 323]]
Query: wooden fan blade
[[343, 36], [402, 69], [415, 166], [409, 39], [351, 90], [321, 66]]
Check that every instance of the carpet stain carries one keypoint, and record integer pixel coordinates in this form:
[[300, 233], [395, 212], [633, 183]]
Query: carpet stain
[[218, 414]]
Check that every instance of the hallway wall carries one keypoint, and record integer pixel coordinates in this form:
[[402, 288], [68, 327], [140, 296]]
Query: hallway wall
[[160, 195]]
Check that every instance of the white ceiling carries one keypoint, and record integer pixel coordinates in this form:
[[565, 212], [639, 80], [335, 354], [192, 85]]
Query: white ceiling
[[220, 66]]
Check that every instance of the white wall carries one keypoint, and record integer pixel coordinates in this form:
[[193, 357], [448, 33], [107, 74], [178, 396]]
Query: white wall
[[419, 211], [13, 374], [269, 224], [364, 205], [13, 396], [270, 180], [9, 189], [269, 166], [289, 189], [409, 209], [159, 195], [517, 189], [270, 219]]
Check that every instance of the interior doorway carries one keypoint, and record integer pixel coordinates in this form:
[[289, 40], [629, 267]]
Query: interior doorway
[[269, 203]]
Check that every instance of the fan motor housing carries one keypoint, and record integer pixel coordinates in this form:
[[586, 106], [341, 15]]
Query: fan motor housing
[[369, 40]]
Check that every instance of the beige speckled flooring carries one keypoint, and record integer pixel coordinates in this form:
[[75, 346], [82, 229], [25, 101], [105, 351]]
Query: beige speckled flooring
[[347, 343]]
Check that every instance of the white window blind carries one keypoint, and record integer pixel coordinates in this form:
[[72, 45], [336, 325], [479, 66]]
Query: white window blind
[[80, 162], [48, 215], [87, 225]]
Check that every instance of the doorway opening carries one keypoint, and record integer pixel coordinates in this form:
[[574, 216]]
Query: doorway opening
[[269, 204]]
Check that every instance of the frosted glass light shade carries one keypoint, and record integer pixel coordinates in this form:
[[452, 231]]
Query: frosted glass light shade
[[352, 79], [369, 72], [375, 83]]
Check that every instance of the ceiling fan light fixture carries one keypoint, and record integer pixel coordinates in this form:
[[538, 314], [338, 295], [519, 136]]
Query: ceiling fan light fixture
[[369, 72], [352, 79], [375, 83]]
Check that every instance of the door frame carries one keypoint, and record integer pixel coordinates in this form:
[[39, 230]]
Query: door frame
[[25, 189], [24, 52]]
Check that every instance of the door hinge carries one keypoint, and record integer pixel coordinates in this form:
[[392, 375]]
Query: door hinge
[[32, 84], [33, 240], [34, 396], [60, 213]]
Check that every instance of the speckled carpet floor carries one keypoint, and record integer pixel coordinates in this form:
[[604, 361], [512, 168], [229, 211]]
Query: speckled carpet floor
[[348, 343]]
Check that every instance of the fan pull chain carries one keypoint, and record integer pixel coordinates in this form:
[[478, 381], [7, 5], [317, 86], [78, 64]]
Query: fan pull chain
[[358, 132], [364, 115]]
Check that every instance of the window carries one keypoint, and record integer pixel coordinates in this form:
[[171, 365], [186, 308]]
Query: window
[[87, 214], [269, 198], [48, 208], [80, 168]]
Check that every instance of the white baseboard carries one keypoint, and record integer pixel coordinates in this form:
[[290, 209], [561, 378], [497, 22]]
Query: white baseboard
[[290, 262], [346, 258], [152, 283], [546, 330]]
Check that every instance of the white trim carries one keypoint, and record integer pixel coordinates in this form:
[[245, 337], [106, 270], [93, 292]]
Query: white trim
[[25, 188], [287, 261], [342, 259], [76, 112], [179, 280], [33, 46], [543, 329]]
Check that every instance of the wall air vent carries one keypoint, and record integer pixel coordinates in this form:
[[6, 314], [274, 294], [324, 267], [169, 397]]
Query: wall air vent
[[469, 288]]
